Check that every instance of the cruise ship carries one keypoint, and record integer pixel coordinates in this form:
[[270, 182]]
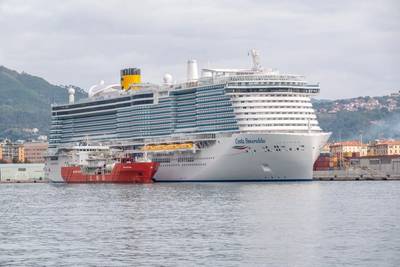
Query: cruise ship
[[251, 124]]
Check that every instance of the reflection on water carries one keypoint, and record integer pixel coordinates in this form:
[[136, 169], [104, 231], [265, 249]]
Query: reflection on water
[[211, 224]]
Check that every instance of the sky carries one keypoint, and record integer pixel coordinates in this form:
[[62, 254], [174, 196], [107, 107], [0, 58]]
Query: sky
[[352, 48]]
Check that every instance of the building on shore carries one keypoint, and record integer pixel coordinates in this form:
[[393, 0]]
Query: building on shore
[[11, 152], [384, 147], [348, 149], [374, 148], [21, 152], [35, 151], [343, 155]]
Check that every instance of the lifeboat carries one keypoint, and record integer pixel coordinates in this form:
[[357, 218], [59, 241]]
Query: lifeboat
[[167, 147]]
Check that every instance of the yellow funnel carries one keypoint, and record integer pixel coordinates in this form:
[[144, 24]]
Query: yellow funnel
[[130, 77]]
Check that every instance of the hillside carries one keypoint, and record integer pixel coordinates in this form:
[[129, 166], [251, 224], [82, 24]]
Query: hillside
[[366, 117], [25, 103]]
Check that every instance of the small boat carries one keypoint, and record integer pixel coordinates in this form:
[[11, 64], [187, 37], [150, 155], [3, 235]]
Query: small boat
[[125, 170]]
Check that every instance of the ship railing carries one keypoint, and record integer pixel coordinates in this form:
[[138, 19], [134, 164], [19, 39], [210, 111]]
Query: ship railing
[[246, 81], [289, 132]]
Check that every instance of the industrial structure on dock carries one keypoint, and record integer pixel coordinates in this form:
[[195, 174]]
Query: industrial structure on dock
[[378, 156], [21, 172]]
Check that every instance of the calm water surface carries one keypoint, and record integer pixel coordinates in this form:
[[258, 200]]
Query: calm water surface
[[201, 224]]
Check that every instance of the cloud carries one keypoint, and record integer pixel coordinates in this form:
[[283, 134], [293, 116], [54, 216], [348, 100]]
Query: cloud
[[350, 47]]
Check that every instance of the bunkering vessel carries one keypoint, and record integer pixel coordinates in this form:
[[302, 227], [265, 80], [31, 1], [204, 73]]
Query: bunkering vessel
[[124, 171], [227, 125]]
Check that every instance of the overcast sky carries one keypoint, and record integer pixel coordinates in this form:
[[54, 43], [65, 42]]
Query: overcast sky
[[351, 47]]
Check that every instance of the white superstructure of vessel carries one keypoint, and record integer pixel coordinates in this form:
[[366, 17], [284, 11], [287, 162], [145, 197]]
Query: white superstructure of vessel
[[224, 125]]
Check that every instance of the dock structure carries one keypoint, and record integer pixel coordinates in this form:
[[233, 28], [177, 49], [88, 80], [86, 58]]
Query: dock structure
[[373, 167], [22, 173], [354, 175]]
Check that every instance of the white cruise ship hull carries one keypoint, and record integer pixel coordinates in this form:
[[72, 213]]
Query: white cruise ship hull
[[240, 157]]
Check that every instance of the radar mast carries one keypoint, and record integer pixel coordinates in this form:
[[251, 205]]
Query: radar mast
[[255, 55]]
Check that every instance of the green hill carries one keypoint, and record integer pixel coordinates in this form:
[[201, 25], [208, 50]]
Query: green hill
[[368, 118], [25, 103]]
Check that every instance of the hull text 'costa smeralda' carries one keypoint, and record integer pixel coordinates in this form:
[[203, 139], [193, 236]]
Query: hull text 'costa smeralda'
[[227, 125]]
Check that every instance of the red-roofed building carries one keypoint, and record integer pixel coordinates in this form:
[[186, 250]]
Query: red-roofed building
[[348, 148], [384, 147]]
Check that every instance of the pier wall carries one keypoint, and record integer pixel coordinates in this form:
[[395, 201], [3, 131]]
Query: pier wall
[[21, 172]]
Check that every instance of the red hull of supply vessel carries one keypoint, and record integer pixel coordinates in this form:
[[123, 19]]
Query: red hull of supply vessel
[[128, 172]]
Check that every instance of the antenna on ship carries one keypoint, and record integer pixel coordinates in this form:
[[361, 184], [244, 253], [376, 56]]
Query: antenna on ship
[[255, 55]]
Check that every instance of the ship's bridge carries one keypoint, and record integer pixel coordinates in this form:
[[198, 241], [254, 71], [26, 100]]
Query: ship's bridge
[[272, 102]]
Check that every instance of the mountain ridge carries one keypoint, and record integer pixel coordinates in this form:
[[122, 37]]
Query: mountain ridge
[[25, 103]]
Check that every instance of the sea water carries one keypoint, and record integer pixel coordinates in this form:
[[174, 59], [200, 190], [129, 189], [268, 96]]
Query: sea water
[[201, 224]]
